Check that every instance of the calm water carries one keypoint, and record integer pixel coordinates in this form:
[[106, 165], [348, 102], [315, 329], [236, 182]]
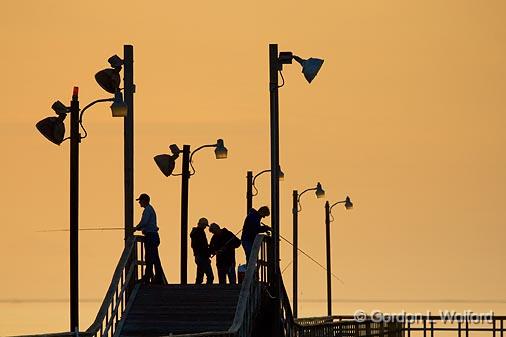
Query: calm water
[[18, 318]]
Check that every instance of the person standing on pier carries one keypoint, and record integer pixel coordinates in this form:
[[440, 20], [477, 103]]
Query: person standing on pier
[[149, 229], [253, 226], [223, 245], [201, 252]]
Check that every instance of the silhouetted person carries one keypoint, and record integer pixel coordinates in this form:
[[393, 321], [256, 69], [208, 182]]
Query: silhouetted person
[[252, 227], [201, 252], [149, 229], [223, 245]]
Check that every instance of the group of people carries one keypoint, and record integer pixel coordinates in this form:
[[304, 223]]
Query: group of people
[[222, 245]]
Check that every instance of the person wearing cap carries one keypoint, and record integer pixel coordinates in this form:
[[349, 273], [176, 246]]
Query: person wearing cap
[[253, 226], [223, 245], [149, 229], [201, 252]]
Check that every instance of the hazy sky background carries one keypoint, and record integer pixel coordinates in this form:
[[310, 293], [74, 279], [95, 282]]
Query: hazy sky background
[[406, 116]]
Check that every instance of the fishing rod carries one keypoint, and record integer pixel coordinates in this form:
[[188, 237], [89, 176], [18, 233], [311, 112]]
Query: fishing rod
[[225, 244], [121, 228], [308, 256]]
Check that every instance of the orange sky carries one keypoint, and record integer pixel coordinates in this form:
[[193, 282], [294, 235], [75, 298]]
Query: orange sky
[[406, 116]]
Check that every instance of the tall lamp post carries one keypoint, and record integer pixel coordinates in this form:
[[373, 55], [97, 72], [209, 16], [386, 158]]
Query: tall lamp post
[[296, 208], [250, 185], [328, 219], [53, 128], [310, 68], [109, 80], [166, 164]]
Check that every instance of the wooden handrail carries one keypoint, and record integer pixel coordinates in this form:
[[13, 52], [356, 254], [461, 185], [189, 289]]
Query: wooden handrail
[[126, 257], [249, 279]]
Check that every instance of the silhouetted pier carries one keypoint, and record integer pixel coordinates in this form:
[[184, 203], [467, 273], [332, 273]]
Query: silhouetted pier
[[133, 309]]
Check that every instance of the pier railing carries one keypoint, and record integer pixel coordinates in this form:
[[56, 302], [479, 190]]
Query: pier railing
[[336, 326], [114, 305], [433, 326]]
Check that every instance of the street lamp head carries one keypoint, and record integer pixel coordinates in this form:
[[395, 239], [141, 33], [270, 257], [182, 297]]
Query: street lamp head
[[165, 163], [220, 151], [109, 79], [175, 150], [320, 193], [119, 107], [53, 128], [348, 204], [59, 108], [115, 61], [310, 67]]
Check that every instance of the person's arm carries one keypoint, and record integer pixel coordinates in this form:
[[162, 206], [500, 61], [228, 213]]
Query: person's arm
[[264, 228], [144, 220]]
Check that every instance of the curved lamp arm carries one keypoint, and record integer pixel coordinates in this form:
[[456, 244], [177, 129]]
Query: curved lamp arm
[[347, 203], [254, 178], [299, 208], [86, 108], [198, 149]]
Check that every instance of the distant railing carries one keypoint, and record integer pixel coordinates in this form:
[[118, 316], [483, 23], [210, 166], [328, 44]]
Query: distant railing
[[333, 326], [457, 326], [346, 328], [128, 270]]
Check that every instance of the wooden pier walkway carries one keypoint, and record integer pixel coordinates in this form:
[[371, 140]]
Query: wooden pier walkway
[[177, 309]]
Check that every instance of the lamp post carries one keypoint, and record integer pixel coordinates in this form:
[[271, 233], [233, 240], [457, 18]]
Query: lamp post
[[109, 80], [53, 129], [166, 164], [296, 208], [310, 68], [250, 185], [328, 214]]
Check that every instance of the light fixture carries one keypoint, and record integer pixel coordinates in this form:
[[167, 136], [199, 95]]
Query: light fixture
[[119, 107], [220, 151], [310, 67], [175, 150], [53, 128], [166, 162], [109, 78], [59, 108], [348, 204], [320, 193]]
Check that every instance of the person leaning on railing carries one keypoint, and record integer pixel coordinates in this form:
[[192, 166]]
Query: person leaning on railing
[[151, 241], [252, 227], [223, 245]]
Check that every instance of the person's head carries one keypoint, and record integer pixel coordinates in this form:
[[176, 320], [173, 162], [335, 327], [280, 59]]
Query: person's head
[[203, 223], [264, 211], [214, 228], [143, 199]]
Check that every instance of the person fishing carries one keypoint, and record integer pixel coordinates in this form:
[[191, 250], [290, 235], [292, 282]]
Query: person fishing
[[223, 244], [253, 226], [149, 229]]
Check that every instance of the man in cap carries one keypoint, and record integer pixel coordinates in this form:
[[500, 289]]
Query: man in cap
[[151, 241], [223, 245], [201, 252]]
